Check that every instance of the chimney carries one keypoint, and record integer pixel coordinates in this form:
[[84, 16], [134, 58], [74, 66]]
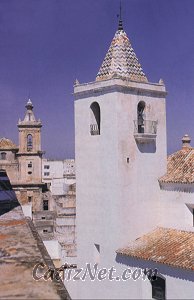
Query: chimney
[[186, 141]]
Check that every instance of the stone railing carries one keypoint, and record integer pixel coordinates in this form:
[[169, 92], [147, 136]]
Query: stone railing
[[94, 129], [145, 131], [145, 127]]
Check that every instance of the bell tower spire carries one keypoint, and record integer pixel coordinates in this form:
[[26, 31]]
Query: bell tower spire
[[120, 27], [29, 116], [120, 60]]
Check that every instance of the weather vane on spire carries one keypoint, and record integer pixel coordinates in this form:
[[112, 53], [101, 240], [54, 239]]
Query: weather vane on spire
[[120, 27]]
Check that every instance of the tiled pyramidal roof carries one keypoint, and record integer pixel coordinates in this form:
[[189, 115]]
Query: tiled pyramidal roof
[[180, 167], [121, 60]]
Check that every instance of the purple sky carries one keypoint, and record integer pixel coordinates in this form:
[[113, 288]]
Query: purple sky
[[46, 44]]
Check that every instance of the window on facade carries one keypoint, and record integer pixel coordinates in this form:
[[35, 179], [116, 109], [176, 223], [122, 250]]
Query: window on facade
[[95, 119], [46, 173], [30, 165], [3, 155], [96, 253], [45, 204], [191, 209], [29, 173], [140, 116], [29, 142], [29, 198], [159, 288], [46, 167], [43, 218], [45, 230]]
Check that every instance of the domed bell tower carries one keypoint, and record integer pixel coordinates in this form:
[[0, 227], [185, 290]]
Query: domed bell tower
[[30, 154]]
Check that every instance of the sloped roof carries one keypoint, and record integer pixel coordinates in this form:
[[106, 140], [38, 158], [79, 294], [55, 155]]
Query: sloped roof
[[121, 60], [7, 144], [164, 245], [180, 167], [21, 249]]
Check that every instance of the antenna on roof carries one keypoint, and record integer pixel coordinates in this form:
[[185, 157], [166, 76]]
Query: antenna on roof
[[120, 27]]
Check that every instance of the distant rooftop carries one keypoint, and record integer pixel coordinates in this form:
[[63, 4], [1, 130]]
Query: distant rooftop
[[164, 245], [180, 167], [6, 144]]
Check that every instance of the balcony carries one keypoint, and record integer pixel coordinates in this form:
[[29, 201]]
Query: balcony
[[146, 131], [94, 129]]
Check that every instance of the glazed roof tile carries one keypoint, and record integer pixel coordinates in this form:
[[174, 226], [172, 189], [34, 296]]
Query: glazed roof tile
[[121, 61], [180, 167], [164, 245]]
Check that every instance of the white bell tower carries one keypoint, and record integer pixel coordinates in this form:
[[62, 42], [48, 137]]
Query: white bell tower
[[120, 147]]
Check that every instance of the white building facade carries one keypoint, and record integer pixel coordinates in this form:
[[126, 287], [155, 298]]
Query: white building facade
[[59, 174], [121, 153]]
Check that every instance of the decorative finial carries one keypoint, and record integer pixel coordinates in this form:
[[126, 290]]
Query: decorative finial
[[186, 141], [120, 27], [76, 82], [29, 105], [161, 81]]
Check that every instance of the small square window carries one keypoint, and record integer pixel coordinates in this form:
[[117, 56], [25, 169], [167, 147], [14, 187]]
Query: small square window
[[30, 165], [45, 230], [46, 167], [46, 173], [29, 198], [3, 155]]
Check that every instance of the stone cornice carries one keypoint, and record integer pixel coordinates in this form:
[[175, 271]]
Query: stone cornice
[[118, 85], [38, 153], [29, 125]]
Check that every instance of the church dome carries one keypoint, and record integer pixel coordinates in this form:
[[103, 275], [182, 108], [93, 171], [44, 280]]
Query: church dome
[[6, 144]]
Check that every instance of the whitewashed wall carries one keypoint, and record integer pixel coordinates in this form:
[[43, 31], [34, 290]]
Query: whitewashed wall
[[118, 195]]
